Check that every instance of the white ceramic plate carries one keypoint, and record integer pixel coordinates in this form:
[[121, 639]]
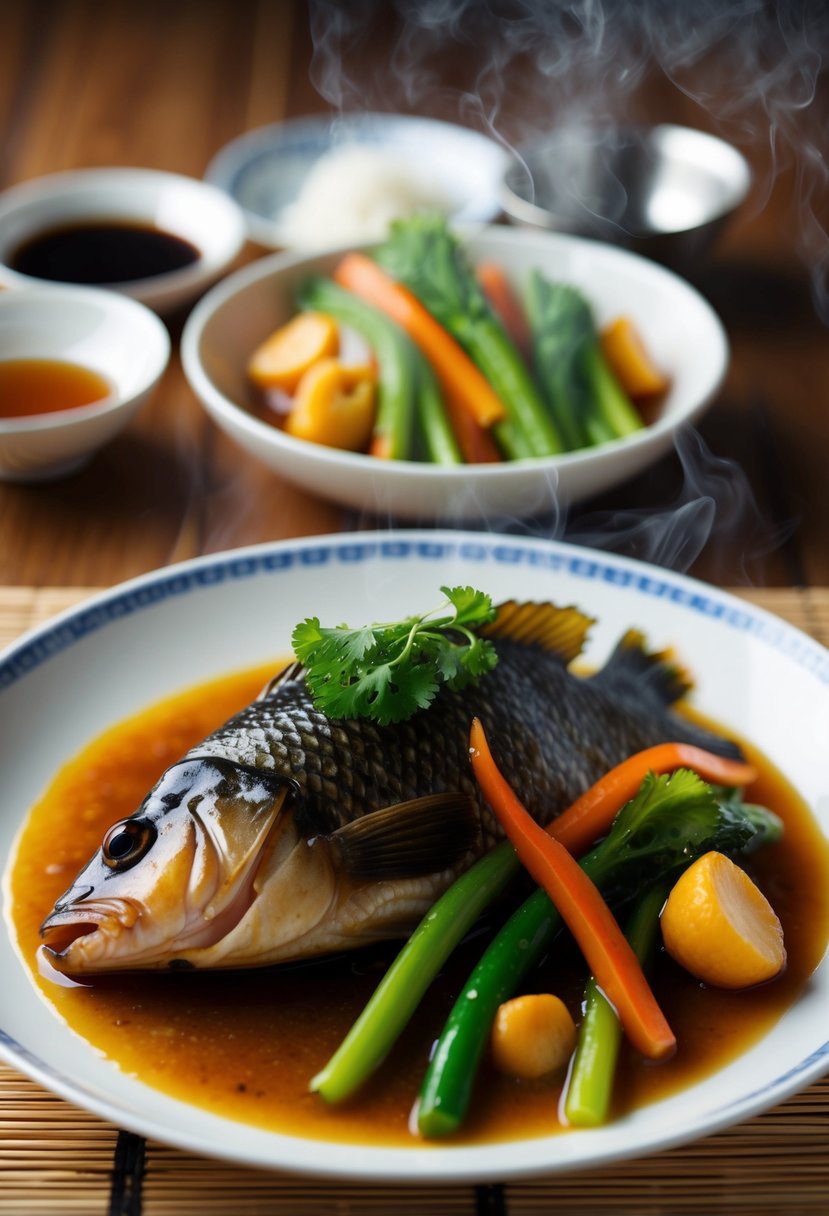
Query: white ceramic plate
[[679, 327], [265, 169], [69, 680]]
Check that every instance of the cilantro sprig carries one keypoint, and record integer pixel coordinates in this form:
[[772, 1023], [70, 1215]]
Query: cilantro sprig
[[388, 671]]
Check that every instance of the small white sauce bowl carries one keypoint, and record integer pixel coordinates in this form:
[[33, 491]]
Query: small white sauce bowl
[[185, 207], [100, 330]]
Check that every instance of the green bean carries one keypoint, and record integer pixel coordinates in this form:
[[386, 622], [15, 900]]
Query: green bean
[[438, 436], [399, 992], [590, 1084]]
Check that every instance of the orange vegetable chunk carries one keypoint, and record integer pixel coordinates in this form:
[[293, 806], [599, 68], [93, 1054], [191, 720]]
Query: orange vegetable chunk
[[718, 925], [283, 359], [334, 405], [532, 1035], [633, 367]]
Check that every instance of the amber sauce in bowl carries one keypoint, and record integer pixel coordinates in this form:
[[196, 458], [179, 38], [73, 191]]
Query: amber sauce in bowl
[[243, 1044], [29, 387]]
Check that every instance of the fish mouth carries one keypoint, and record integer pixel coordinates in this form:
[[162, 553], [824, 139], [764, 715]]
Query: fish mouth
[[57, 938], [83, 931]]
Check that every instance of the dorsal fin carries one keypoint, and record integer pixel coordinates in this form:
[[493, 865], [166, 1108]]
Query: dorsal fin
[[654, 673], [294, 671], [561, 631]]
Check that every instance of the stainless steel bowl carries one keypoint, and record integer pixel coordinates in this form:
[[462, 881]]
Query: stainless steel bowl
[[663, 191]]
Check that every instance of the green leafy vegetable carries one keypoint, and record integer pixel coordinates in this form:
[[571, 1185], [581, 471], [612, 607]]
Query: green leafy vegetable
[[587, 402], [389, 671], [422, 253]]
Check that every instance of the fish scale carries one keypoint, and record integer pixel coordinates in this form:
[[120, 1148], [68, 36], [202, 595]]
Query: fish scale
[[553, 734]]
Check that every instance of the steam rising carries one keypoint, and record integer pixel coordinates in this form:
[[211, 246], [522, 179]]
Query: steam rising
[[522, 68]]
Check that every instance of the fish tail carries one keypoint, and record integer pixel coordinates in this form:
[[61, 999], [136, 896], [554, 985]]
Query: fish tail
[[655, 681]]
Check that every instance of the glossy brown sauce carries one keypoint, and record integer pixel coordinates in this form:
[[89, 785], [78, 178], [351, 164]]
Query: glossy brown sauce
[[244, 1044], [103, 251], [47, 386]]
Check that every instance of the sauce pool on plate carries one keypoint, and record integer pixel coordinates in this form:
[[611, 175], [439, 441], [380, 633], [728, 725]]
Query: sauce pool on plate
[[244, 1044], [30, 387], [101, 252]]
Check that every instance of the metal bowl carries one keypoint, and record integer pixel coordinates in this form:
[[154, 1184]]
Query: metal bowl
[[662, 191]]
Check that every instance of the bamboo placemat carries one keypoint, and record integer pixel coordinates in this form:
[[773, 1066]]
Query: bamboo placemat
[[56, 1160]]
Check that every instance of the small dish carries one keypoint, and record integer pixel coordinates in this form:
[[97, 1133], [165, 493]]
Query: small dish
[[681, 330], [265, 169], [106, 333], [191, 212], [662, 191]]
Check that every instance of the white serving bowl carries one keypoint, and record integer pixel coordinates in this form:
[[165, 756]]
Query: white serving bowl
[[680, 329], [105, 332], [264, 170], [182, 206]]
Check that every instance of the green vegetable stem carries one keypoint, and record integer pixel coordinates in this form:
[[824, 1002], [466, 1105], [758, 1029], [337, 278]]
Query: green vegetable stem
[[590, 1084], [423, 254], [402, 987], [438, 437]]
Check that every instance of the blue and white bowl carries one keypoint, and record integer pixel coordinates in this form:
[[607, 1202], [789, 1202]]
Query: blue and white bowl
[[265, 169]]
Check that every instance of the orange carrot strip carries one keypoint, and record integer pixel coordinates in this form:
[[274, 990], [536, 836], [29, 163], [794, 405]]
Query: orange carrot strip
[[475, 442], [506, 305], [591, 815], [608, 953], [456, 372]]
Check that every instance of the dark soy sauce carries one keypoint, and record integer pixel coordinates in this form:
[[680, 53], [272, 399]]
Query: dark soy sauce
[[102, 251]]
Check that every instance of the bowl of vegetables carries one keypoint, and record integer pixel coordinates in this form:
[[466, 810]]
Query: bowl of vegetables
[[447, 375]]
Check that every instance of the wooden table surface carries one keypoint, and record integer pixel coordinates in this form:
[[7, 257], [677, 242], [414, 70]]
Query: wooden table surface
[[166, 83]]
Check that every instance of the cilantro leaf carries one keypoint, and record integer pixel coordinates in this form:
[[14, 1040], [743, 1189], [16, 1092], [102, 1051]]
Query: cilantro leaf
[[387, 672]]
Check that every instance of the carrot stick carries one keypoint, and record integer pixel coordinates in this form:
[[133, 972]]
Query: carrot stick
[[456, 372], [591, 815], [604, 946], [506, 305], [475, 441]]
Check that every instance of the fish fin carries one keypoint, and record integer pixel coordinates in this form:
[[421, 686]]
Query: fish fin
[[294, 671], [424, 836], [656, 675], [562, 631]]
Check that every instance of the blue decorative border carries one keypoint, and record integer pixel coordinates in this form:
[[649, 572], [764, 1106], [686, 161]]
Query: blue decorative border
[[86, 620], [805, 1065]]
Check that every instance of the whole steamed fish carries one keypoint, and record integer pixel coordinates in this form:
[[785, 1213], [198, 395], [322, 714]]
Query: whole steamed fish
[[286, 835]]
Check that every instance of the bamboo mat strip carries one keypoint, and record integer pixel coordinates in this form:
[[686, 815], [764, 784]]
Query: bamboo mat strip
[[56, 1160]]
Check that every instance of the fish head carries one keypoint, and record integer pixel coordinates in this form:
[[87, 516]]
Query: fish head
[[176, 876]]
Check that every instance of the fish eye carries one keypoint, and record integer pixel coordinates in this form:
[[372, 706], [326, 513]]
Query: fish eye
[[126, 843]]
